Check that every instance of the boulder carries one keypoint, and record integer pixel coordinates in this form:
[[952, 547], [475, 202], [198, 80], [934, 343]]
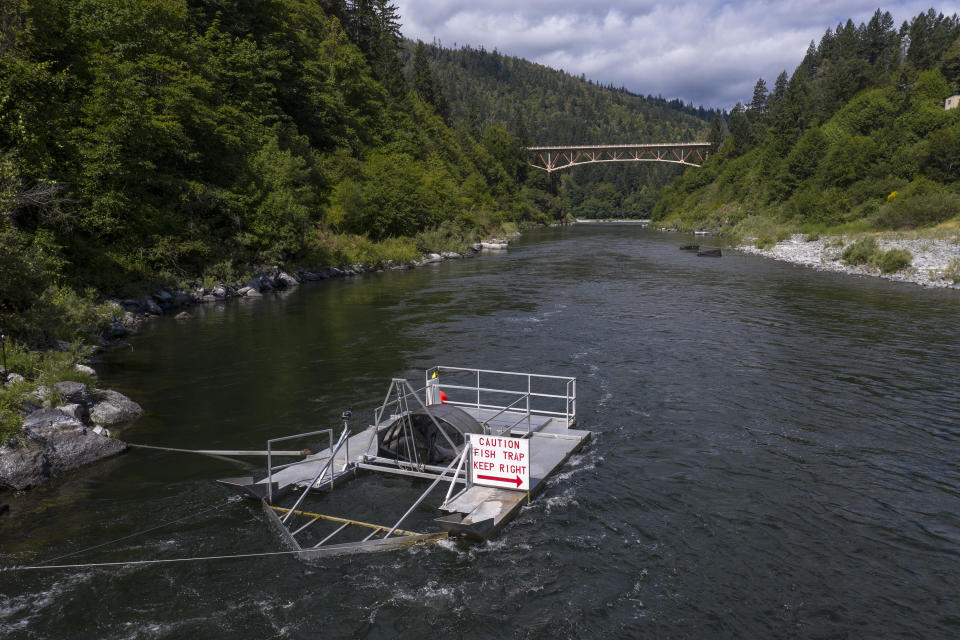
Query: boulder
[[253, 293], [74, 392], [56, 443], [117, 330], [82, 368], [152, 307], [180, 298], [29, 407], [39, 422], [451, 255], [13, 378], [114, 409], [183, 315], [41, 393], [209, 298], [76, 411], [287, 280], [163, 297], [311, 276], [219, 291]]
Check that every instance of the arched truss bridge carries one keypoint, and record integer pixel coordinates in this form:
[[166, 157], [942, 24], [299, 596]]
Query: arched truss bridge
[[559, 157]]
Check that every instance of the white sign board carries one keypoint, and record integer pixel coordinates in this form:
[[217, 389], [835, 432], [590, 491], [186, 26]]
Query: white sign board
[[500, 462]]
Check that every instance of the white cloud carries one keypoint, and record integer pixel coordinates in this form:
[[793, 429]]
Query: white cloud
[[709, 52]]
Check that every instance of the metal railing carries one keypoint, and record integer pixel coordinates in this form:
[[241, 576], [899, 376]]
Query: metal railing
[[270, 454], [271, 468], [534, 401], [465, 456]]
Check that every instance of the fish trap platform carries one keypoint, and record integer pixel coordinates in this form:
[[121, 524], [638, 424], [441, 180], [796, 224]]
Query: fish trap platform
[[492, 438]]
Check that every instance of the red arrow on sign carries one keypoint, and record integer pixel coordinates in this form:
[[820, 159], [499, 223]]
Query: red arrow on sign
[[516, 480]]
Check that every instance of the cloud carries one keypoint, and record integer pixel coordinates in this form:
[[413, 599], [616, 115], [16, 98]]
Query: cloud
[[709, 52]]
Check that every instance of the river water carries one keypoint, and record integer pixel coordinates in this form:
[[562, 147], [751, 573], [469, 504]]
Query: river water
[[776, 455]]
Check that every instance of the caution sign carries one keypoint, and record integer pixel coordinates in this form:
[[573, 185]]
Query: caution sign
[[500, 462]]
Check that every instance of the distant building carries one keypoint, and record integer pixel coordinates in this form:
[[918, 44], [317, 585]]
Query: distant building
[[951, 103]]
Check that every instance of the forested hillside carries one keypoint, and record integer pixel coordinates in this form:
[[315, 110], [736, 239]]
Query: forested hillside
[[542, 106], [856, 138], [154, 142]]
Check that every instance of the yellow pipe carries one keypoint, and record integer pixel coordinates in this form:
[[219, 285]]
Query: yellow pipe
[[343, 520]]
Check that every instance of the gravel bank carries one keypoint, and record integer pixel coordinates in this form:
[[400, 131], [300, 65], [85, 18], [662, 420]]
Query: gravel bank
[[930, 257]]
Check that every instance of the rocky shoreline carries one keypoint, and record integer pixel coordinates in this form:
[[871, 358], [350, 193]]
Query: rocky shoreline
[[72, 430], [931, 257], [80, 428], [137, 310]]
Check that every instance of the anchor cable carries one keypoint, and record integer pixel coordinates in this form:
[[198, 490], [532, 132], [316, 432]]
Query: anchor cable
[[230, 500], [146, 562]]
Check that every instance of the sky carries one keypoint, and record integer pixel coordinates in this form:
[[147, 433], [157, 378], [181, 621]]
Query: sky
[[709, 52]]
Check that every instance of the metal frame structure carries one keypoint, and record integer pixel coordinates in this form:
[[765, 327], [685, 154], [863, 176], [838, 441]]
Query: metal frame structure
[[555, 158], [370, 542], [401, 399]]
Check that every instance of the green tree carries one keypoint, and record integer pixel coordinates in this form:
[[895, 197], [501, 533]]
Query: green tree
[[426, 84]]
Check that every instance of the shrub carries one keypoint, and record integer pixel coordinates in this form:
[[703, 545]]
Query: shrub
[[894, 260], [446, 237], [866, 250], [38, 368], [952, 271], [67, 314], [11, 399], [918, 210], [762, 230], [863, 251]]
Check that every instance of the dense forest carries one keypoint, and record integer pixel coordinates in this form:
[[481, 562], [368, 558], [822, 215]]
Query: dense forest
[[857, 138], [148, 143], [542, 106]]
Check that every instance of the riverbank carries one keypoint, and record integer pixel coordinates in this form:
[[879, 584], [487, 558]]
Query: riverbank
[[935, 260], [163, 302]]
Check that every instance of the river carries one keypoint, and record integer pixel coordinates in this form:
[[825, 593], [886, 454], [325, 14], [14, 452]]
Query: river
[[776, 455]]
